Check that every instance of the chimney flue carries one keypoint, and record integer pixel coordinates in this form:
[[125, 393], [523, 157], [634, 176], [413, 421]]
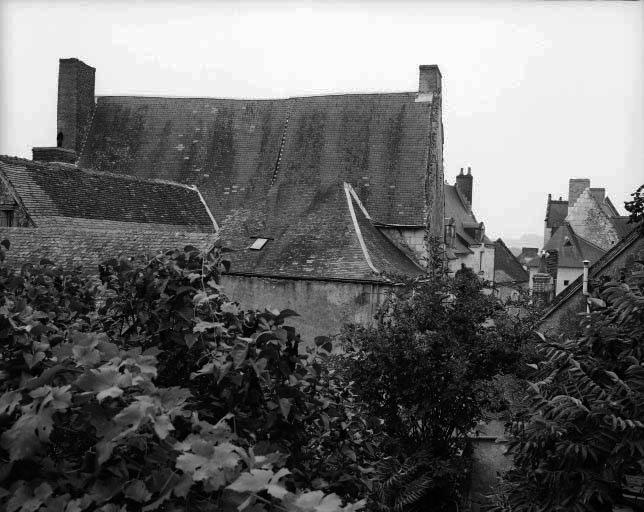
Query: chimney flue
[[430, 79], [464, 184]]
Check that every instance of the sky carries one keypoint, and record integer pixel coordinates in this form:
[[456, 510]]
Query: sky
[[534, 92]]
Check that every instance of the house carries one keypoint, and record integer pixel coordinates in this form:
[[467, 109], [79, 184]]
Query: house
[[322, 200], [510, 277], [77, 217], [530, 260], [625, 257], [465, 239], [583, 227]]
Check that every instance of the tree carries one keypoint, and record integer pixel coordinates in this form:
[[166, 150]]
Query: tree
[[581, 438], [424, 371]]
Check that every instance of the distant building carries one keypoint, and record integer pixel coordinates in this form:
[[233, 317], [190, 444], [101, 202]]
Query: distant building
[[623, 259], [465, 239], [583, 227], [510, 276]]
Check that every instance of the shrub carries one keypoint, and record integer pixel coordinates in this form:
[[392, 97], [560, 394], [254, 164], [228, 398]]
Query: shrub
[[151, 389]]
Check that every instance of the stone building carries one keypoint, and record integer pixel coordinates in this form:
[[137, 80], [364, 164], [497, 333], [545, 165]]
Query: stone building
[[583, 227], [465, 238], [323, 200]]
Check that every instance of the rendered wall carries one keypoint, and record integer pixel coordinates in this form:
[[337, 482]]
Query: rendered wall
[[566, 274], [324, 306], [476, 262]]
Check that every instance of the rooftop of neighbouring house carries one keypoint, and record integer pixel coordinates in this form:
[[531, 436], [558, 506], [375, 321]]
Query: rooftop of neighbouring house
[[507, 267], [50, 191], [572, 249], [458, 208]]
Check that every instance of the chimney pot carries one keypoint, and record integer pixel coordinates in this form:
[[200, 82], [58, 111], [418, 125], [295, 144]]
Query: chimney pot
[[464, 184], [469, 171]]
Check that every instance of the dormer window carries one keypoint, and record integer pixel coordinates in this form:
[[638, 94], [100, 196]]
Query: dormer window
[[6, 217], [258, 244]]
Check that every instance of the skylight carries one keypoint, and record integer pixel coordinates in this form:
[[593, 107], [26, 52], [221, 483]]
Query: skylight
[[258, 244]]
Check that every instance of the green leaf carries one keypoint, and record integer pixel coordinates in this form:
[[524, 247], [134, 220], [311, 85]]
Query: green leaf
[[137, 491]]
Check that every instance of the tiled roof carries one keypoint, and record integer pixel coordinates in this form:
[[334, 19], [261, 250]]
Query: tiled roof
[[457, 208], [53, 191], [507, 267], [622, 226], [556, 213], [276, 156], [72, 247], [572, 248], [322, 243]]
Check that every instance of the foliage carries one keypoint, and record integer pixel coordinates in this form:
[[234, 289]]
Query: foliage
[[150, 389], [581, 438], [636, 207], [425, 370]]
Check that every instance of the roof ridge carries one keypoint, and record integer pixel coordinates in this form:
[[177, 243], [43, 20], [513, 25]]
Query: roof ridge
[[286, 98]]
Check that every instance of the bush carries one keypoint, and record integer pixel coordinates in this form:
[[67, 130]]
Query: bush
[[152, 390], [580, 440], [425, 370]]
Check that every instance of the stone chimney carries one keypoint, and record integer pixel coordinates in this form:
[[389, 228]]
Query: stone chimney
[[75, 103], [430, 79], [599, 194], [464, 184], [575, 187]]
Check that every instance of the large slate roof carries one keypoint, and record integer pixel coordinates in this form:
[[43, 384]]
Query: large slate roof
[[55, 191], [556, 213], [324, 242], [277, 156]]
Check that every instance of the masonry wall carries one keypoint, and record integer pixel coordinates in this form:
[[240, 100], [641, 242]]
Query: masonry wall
[[476, 263], [324, 306], [589, 221], [566, 274]]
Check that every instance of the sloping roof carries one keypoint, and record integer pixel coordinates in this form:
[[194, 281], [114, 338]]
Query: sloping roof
[[72, 247], [52, 191], [507, 268], [595, 270], [622, 226], [458, 208], [572, 248], [556, 212], [272, 155], [324, 243]]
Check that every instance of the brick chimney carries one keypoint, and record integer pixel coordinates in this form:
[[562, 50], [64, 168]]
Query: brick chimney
[[575, 187], [464, 184], [75, 102], [430, 79]]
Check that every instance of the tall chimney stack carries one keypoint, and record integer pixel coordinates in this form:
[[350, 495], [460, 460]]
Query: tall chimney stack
[[430, 79], [575, 188], [75, 103], [464, 184]]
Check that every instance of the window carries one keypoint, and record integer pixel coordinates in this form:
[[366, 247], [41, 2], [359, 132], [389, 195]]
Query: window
[[566, 282], [481, 261], [6, 219], [258, 244]]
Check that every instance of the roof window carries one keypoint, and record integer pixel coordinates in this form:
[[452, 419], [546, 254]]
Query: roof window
[[258, 244]]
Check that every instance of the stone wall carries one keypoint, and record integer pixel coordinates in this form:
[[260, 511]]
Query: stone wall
[[324, 306], [589, 221], [75, 102]]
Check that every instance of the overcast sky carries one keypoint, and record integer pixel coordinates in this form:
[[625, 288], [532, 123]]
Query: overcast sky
[[533, 92]]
